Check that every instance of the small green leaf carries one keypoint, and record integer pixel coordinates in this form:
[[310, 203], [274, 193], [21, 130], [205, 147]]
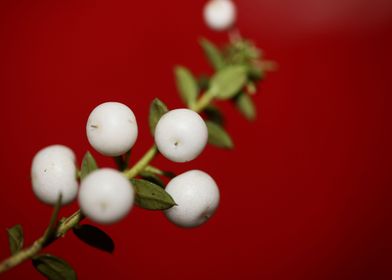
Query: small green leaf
[[213, 54], [228, 82], [157, 110], [245, 105], [213, 114], [151, 196], [94, 237], [186, 85], [50, 233], [15, 238], [217, 136], [151, 177], [88, 165], [53, 268]]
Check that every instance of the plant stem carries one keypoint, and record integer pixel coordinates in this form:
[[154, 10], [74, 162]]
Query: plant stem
[[142, 163], [204, 101], [70, 222]]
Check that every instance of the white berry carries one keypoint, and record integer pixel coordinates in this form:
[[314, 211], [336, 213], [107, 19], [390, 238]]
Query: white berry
[[197, 197], [53, 172], [219, 14], [106, 196], [181, 135], [112, 129]]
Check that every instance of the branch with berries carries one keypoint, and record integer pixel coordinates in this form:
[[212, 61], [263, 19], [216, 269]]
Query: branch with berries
[[107, 195]]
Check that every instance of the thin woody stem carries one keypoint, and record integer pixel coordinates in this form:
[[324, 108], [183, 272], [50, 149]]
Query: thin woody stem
[[72, 221], [68, 223]]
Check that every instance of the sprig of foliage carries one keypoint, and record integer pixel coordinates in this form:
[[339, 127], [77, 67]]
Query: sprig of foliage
[[238, 67]]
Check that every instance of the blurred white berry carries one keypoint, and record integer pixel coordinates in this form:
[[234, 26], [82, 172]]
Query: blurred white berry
[[53, 171], [181, 135], [106, 196], [112, 129], [197, 197], [219, 14]]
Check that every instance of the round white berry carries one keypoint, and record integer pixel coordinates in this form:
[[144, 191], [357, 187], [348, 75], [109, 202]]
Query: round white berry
[[53, 171], [106, 196], [219, 14], [181, 135], [197, 197], [112, 129]]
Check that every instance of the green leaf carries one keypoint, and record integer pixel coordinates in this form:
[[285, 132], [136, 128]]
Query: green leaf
[[157, 110], [213, 114], [50, 233], [151, 196], [88, 165], [94, 237], [153, 178], [217, 136], [53, 268], [15, 238], [186, 85], [213, 54], [246, 106], [228, 82]]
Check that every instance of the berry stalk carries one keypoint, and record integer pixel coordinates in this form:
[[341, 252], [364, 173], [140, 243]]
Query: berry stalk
[[72, 221]]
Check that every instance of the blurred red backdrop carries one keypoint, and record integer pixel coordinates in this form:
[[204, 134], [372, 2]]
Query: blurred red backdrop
[[306, 193]]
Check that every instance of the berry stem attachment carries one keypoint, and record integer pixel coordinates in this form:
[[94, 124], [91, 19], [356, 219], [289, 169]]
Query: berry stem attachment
[[142, 163], [72, 221], [154, 170], [204, 101]]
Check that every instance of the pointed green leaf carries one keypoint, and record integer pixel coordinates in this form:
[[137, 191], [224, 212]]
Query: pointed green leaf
[[157, 110], [228, 82], [15, 238], [217, 136], [213, 54], [186, 85], [153, 178], [213, 114], [94, 237], [245, 105], [88, 165], [53, 268], [151, 196]]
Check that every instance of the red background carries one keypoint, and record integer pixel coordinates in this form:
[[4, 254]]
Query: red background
[[306, 193]]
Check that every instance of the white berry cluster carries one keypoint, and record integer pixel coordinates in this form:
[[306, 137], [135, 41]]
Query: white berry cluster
[[106, 195]]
